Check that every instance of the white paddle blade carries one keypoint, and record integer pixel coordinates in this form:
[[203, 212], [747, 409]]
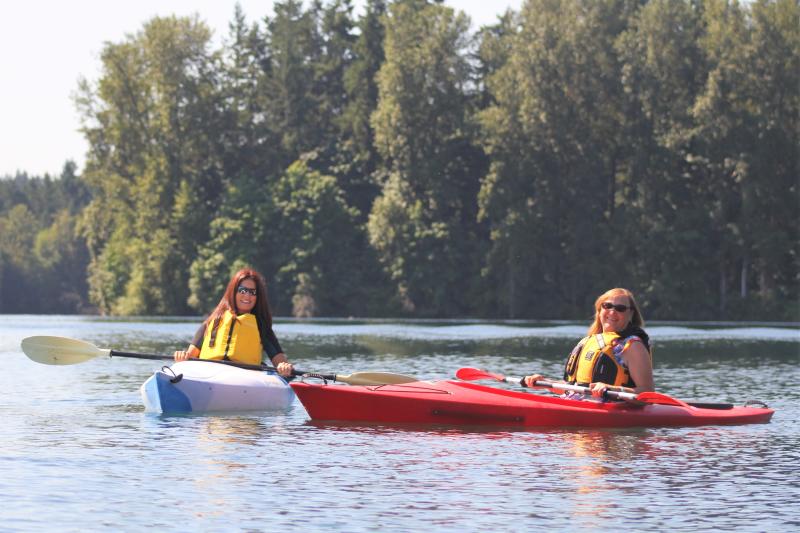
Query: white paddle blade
[[59, 350], [375, 378]]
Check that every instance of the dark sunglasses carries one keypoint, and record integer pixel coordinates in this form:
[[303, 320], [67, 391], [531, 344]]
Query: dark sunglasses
[[245, 290], [616, 307]]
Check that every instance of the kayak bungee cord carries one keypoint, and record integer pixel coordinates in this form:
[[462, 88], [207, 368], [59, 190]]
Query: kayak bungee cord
[[176, 378]]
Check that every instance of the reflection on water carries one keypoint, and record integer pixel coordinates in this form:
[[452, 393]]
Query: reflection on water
[[76, 441]]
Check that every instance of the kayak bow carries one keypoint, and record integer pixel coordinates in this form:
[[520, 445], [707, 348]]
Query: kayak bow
[[196, 386]]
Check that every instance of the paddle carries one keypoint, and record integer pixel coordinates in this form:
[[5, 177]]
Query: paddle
[[51, 350], [471, 374]]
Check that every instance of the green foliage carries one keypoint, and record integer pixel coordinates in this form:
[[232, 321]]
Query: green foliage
[[302, 236], [663, 70], [43, 259], [155, 87], [42, 268], [326, 263], [554, 137], [238, 237], [293, 50], [355, 160], [395, 164], [63, 258], [20, 282], [423, 225], [646, 116]]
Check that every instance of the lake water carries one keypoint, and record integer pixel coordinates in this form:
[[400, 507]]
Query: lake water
[[78, 452]]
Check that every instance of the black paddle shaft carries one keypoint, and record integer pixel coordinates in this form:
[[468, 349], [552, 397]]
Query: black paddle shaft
[[115, 353]]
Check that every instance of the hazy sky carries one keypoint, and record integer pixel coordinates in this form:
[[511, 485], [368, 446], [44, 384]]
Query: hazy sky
[[46, 45]]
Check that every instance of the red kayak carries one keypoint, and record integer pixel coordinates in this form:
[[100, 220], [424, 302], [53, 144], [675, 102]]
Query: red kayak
[[459, 403]]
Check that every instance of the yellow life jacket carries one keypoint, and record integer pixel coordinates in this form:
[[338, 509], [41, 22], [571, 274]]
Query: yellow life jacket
[[233, 337], [595, 359]]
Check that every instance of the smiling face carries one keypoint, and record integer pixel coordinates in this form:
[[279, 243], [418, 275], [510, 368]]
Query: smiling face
[[246, 296], [615, 313]]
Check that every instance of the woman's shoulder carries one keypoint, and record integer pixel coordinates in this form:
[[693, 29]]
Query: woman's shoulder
[[636, 332], [633, 330]]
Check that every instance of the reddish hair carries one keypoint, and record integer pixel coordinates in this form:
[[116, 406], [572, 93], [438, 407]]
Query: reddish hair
[[228, 300], [636, 317]]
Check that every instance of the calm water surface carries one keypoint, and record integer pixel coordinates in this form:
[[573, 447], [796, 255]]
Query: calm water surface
[[78, 453]]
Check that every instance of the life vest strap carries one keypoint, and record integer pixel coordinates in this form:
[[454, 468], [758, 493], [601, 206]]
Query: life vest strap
[[228, 344]]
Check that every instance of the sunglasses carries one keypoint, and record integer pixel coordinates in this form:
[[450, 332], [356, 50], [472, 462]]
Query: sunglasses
[[616, 307], [245, 290]]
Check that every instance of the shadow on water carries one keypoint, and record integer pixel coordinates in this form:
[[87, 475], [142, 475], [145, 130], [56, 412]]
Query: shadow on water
[[491, 432]]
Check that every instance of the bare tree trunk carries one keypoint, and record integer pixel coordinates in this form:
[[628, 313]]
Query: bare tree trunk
[[723, 288], [512, 289], [743, 281]]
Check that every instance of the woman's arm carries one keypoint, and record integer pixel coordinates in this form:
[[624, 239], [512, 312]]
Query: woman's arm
[[192, 352], [640, 367], [282, 364]]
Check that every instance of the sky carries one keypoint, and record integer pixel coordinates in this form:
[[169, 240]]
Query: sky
[[46, 46]]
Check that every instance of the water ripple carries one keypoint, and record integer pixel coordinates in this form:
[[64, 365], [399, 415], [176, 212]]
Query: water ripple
[[79, 453]]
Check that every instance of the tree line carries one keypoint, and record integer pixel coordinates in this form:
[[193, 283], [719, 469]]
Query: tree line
[[397, 163]]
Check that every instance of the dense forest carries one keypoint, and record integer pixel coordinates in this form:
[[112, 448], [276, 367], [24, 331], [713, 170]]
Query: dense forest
[[399, 163]]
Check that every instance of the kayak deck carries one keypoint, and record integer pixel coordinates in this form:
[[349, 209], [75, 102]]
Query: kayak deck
[[201, 386], [461, 403]]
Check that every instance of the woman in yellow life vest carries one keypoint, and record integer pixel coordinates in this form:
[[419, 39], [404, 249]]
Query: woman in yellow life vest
[[616, 353], [240, 327]]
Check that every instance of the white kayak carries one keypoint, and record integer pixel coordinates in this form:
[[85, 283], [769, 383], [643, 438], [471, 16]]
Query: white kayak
[[202, 386]]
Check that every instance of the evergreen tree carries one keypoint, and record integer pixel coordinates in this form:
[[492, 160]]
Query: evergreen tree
[[663, 70], [395, 165], [356, 160], [746, 138], [153, 127], [20, 285], [423, 225], [554, 137]]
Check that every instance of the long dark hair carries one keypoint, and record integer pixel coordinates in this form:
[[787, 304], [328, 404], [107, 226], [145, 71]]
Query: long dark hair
[[228, 300]]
